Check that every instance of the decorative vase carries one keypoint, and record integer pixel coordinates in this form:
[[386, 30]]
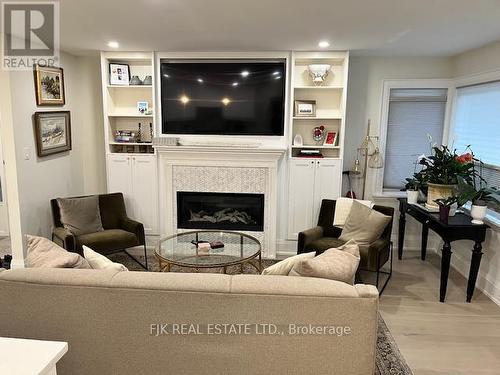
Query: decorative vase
[[148, 80], [478, 213], [438, 191], [135, 81], [412, 196], [318, 134], [444, 213]]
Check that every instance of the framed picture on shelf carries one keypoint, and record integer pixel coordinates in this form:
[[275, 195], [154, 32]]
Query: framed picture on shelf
[[119, 74], [143, 107], [49, 85], [330, 139], [52, 132], [305, 108]]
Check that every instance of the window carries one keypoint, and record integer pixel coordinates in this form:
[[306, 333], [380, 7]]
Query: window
[[476, 122], [413, 114]]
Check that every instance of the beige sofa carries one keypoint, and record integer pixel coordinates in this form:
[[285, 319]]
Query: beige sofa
[[111, 321]]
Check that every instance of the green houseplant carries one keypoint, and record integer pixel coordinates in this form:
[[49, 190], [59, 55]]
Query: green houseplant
[[441, 170], [480, 195]]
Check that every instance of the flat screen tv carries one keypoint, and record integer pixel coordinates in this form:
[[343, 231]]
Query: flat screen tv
[[223, 97]]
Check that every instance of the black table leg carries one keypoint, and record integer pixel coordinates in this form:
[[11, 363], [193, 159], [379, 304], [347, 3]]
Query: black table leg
[[445, 270], [474, 269], [425, 235], [401, 233]]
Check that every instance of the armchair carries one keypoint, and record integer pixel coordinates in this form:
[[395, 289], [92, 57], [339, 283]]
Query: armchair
[[120, 232], [324, 236]]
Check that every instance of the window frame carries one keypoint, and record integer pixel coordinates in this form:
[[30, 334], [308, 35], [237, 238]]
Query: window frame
[[387, 86], [492, 217]]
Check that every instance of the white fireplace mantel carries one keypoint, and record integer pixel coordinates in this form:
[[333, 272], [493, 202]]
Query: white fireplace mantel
[[230, 169]]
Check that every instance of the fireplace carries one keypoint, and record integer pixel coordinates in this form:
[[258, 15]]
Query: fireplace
[[224, 211]]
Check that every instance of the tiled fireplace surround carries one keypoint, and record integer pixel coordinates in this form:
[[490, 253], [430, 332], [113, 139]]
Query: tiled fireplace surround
[[219, 170]]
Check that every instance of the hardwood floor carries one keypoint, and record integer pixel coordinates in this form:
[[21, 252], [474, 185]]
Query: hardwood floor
[[454, 337]]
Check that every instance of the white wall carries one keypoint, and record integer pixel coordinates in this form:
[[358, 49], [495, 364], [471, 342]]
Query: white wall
[[480, 60], [79, 171]]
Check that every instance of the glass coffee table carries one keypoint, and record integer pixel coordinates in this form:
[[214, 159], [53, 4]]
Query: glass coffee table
[[235, 249]]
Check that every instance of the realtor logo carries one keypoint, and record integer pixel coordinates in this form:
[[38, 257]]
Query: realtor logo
[[30, 34]]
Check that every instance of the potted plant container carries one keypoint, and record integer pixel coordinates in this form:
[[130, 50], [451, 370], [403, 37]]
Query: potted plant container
[[479, 196], [444, 207], [412, 190]]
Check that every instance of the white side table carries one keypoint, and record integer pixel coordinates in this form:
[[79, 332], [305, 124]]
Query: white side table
[[30, 357]]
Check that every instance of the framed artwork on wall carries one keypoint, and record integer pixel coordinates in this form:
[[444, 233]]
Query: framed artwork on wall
[[49, 86], [52, 132]]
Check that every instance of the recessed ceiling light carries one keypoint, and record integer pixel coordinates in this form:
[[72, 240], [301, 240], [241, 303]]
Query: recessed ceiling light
[[200, 80], [113, 44], [323, 44], [276, 73], [235, 83], [225, 101], [184, 99], [277, 77], [245, 73], [166, 76]]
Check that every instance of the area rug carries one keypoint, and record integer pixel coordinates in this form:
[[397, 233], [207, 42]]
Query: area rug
[[389, 360]]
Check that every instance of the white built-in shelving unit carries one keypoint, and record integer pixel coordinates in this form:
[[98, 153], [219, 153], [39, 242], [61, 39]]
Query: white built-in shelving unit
[[310, 180], [131, 166]]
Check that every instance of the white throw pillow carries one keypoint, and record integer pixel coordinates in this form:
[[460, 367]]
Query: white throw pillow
[[364, 225], [339, 264], [43, 253], [343, 208], [100, 262], [284, 267]]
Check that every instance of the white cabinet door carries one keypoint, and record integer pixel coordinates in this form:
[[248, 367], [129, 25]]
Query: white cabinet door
[[300, 196], [120, 178], [145, 192], [327, 183]]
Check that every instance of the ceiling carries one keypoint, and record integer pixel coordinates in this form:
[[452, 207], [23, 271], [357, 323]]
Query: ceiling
[[366, 27]]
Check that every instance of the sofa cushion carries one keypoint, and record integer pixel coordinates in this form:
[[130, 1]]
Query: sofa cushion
[[43, 253], [338, 264], [284, 267], [323, 243], [80, 215], [343, 209], [108, 240], [364, 225], [100, 262]]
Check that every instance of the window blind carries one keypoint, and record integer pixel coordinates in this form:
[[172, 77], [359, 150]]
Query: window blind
[[476, 122], [413, 114]]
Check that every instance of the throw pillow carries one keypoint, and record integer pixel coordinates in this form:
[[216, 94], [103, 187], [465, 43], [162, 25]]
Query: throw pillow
[[80, 215], [364, 224], [343, 208], [338, 264], [100, 262], [284, 267], [43, 253]]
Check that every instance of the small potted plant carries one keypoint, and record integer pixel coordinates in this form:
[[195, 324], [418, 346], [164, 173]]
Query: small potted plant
[[444, 207], [412, 190], [479, 196]]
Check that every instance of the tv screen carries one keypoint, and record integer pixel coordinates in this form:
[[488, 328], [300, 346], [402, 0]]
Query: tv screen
[[227, 98]]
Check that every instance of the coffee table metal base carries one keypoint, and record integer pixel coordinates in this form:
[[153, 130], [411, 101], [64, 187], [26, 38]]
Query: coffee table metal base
[[165, 266]]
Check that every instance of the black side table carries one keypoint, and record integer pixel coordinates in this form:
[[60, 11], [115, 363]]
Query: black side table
[[459, 227]]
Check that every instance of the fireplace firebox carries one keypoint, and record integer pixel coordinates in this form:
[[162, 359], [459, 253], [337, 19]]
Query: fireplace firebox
[[224, 211]]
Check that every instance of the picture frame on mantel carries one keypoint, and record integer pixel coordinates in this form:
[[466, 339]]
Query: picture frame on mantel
[[49, 86], [52, 132]]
